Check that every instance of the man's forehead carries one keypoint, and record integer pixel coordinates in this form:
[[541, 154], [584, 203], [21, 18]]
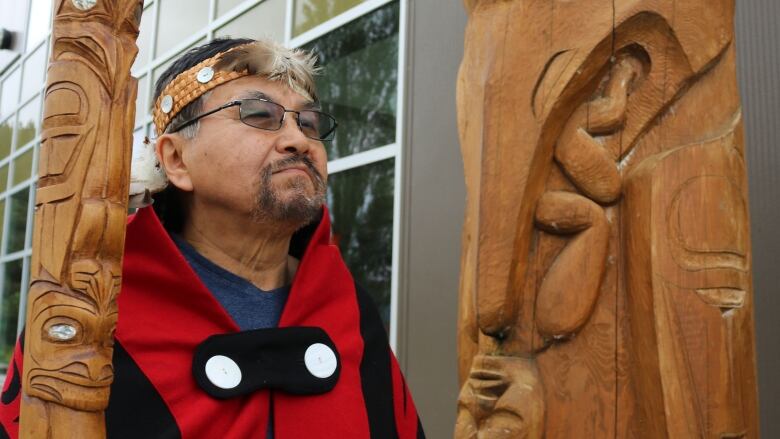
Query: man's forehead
[[261, 88]]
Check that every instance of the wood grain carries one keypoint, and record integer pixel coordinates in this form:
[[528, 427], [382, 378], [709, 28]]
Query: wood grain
[[606, 250], [80, 216]]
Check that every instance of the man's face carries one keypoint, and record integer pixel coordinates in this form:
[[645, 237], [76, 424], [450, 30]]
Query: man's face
[[271, 176]]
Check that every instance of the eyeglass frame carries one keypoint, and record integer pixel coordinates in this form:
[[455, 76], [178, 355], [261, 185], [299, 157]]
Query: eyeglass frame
[[233, 103]]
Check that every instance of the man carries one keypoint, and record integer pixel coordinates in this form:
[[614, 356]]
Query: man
[[238, 318]]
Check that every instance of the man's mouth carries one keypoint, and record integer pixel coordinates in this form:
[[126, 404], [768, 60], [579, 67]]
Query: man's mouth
[[293, 170]]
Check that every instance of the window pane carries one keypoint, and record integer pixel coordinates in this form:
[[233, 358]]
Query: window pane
[[265, 20], [6, 134], [359, 82], [17, 224], [310, 13], [141, 107], [3, 180], [34, 72], [179, 20], [9, 93], [10, 309], [361, 207], [28, 122], [2, 216], [144, 41], [40, 19], [23, 167], [224, 6]]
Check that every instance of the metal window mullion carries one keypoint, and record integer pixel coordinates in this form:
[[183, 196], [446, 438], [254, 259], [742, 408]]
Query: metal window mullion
[[15, 154], [22, 57], [22, 103], [288, 22], [362, 158], [399, 198], [212, 19], [15, 256]]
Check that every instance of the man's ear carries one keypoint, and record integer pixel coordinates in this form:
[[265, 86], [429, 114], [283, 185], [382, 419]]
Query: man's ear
[[169, 148]]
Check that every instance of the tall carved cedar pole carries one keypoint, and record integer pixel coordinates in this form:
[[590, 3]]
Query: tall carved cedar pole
[[606, 288], [80, 215]]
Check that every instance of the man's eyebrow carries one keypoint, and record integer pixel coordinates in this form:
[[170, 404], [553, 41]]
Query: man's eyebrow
[[311, 105], [255, 94]]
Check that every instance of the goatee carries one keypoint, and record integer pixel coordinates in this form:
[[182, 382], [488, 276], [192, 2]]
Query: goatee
[[301, 205]]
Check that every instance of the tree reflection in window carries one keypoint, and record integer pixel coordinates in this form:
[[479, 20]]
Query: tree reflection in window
[[361, 207], [6, 135], [9, 313], [360, 80], [17, 224], [310, 13]]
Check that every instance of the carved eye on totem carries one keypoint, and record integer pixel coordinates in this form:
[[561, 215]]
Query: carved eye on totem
[[62, 329]]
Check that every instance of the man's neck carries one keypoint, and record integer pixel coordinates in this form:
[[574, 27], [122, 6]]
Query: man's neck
[[257, 252]]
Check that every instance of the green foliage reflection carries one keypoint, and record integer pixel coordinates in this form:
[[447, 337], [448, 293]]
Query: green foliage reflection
[[310, 13], [9, 313], [360, 80], [361, 208]]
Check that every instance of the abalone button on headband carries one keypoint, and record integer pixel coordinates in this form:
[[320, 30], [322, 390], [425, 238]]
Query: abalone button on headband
[[205, 75], [167, 104], [84, 5]]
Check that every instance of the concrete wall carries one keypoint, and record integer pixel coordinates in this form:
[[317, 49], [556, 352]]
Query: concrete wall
[[758, 53], [435, 199]]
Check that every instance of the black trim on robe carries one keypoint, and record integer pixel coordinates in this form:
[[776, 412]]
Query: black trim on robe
[[135, 408], [13, 388], [375, 373]]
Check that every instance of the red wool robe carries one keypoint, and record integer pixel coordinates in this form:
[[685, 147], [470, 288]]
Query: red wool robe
[[166, 312]]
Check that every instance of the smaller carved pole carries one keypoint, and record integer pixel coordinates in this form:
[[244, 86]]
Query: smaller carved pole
[[80, 216]]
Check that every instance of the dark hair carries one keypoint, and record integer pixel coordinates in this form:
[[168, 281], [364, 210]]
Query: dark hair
[[169, 204]]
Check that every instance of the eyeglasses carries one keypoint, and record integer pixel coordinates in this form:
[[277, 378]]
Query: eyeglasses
[[267, 115]]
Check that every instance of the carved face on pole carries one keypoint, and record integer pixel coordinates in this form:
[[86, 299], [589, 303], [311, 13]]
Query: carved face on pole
[[561, 104], [71, 338]]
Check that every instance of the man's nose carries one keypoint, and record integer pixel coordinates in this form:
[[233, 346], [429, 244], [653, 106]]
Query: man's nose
[[291, 138]]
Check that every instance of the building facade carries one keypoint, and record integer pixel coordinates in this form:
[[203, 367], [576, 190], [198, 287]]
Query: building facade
[[396, 191]]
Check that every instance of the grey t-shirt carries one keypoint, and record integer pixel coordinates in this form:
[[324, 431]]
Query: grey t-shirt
[[248, 306]]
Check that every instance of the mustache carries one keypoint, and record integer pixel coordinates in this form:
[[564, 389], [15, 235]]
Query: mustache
[[291, 161]]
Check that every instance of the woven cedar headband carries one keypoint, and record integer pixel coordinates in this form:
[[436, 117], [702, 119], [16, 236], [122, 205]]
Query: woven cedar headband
[[189, 86]]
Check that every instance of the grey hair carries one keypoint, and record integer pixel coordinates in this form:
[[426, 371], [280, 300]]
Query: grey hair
[[192, 110]]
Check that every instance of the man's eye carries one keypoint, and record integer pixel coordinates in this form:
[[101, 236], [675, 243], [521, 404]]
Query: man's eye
[[259, 114], [309, 121]]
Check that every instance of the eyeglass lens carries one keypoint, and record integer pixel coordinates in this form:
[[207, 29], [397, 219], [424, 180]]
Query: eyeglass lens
[[269, 115]]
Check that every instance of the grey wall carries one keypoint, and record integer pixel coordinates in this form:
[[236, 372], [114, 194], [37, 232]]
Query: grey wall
[[758, 52], [435, 198]]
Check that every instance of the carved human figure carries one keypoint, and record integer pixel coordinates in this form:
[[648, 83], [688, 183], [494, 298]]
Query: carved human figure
[[81, 207], [605, 245]]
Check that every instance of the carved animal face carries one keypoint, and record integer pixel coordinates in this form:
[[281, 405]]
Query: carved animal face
[[70, 341]]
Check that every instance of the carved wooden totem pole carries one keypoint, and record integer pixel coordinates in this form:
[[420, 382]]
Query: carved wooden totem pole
[[605, 288], [80, 215]]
